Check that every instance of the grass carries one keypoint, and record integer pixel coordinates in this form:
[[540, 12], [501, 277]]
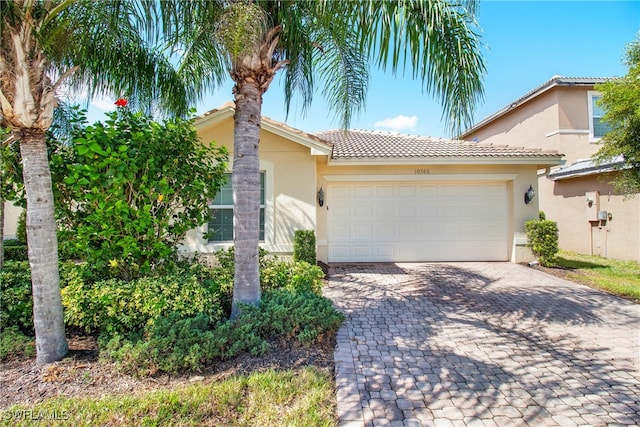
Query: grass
[[618, 277], [292, 398]]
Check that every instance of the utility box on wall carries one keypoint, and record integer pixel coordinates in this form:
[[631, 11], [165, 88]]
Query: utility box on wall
[[593, 205]]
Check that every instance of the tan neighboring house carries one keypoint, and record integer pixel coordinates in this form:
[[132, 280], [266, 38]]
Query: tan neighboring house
[[381, 197], [561, 115]]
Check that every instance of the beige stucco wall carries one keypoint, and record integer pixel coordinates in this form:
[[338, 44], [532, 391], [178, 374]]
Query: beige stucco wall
[[289, 189], [555, 120], [11, 215], [617, 238], [520, 177], [558, 119]]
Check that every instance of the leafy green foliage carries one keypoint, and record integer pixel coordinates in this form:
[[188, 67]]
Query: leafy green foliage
[[11, 187], [16, 303], [304, 246], [21, 227], [15, 250], [543, 240], [621, 101], [274, 274], [115, 306], [241, 29], [294, 277], [129, 189], [173, 344], [13, 343], [305, 316]]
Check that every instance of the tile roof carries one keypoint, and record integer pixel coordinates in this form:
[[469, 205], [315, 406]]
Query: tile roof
[[554, 81], [363, 144]]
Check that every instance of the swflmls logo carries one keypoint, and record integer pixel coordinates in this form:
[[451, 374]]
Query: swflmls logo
[[32, 415]]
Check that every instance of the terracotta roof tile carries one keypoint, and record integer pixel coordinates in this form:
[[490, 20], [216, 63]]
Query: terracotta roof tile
[[363, 144]]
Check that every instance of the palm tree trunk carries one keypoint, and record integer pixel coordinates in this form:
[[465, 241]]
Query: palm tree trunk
[[245, 181], [51, 343]]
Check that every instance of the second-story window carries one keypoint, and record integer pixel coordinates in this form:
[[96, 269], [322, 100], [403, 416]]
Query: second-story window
[[597, 128]]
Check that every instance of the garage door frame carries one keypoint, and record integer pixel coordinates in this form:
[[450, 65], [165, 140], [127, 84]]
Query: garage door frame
[[439, 180]]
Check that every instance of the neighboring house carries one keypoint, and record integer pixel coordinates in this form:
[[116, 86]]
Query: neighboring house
[[374, 196], [562, 115]]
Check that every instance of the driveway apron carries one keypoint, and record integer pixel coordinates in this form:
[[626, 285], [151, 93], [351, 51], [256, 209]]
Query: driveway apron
[[487, 344]]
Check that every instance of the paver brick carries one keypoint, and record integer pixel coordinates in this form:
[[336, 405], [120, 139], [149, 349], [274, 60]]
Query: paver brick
[[498, 343]]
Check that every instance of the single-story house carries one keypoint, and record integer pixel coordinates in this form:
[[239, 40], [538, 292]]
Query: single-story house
[[377, 197]]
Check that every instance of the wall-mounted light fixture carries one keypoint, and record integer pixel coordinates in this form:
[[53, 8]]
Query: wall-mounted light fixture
[[529, 195], [320, 197]]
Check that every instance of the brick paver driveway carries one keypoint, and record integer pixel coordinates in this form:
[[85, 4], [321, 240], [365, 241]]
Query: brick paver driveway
[[492, 344]]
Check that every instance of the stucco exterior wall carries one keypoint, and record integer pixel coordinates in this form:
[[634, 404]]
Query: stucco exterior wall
[[580, 231], [11, 215], [555, 120], [289, 189], [558, 119]]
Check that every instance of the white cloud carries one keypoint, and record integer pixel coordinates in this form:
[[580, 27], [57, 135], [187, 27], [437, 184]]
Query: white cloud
[[398, 123], [103, 104]]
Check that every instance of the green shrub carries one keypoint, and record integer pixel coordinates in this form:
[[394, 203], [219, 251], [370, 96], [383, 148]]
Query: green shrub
[[543, 240], [16, 302], [12, 242], [307, 317], [17, 252], [304, 246], [129, 189], [295, 277], [115, 306], [14, 344], [173, 344], [274, 274], [21, 227]]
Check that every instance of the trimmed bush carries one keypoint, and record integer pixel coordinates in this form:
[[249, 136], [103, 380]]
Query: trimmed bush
[[15, 252], [294, 277], [307, 317], [16, 302], [115, 306], [543, 240], [173, 344], [304, 246]]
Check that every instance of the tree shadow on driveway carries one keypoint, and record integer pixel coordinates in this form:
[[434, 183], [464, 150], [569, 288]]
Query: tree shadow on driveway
[[477, 341]]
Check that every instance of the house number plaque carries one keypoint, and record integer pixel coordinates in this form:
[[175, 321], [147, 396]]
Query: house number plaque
[[422, 171]]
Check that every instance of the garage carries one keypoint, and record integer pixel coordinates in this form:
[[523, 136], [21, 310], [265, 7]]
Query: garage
[[417, 221]]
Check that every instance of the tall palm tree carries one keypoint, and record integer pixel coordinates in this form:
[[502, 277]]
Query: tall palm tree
[[331, 41], [53, 45]]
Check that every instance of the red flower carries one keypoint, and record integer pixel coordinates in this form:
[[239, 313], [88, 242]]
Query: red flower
[[121, 102]]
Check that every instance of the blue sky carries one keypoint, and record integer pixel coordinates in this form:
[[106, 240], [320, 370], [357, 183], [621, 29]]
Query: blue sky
[[526, 43]]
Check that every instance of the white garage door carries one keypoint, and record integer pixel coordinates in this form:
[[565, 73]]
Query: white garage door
[[417, 221]]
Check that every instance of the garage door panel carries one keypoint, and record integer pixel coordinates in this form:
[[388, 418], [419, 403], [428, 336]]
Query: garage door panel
[[417, 222]]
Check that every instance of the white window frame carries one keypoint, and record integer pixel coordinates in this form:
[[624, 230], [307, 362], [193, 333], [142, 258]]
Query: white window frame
[[590, 98], [263, 208]]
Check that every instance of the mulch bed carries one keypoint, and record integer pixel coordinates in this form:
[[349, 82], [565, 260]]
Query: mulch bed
[[83, 374]]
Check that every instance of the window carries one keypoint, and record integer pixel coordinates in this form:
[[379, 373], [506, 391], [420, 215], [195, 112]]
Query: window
[[597, 128], [221, 221]]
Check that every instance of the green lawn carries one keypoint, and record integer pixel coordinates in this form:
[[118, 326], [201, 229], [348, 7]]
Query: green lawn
[[618, 277], [293, 398]]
